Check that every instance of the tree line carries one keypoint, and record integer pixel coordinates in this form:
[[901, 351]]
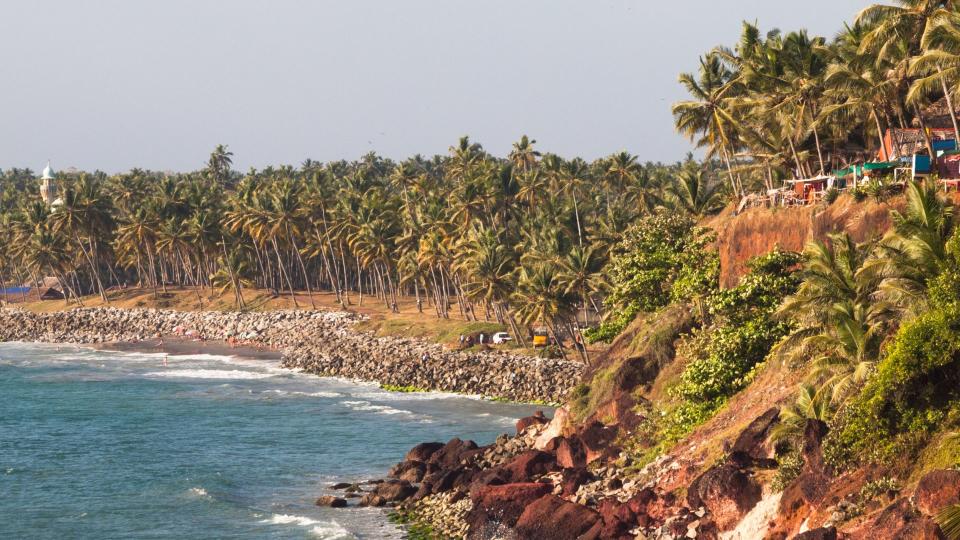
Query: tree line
[[521, 240]]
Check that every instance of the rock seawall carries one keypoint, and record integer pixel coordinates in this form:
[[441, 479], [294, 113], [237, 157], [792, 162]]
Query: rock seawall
[[318, 342]]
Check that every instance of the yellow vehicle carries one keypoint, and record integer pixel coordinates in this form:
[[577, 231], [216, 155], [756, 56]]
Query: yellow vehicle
[[540, 337]]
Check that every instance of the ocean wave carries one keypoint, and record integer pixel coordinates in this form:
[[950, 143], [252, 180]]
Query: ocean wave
[[319, 394], [331, 530], [209, 374], [363, 406], [287, 519]]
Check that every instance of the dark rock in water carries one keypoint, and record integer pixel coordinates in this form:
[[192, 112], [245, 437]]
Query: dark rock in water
[[503, 503], [341, 485], [423, 451], [552, 518], [372, 499], [937, 490], [395, 491], [535, 419], [331, 501], [823, 533], [411, 471], [727, 492]]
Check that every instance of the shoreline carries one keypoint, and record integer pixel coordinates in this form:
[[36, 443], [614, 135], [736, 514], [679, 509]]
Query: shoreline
[[323, 343]]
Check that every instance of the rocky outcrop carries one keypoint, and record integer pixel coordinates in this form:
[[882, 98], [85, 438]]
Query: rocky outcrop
[[936, 491], [318, 342]]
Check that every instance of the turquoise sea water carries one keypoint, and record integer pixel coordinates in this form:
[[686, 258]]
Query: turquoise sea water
[[103, 445]]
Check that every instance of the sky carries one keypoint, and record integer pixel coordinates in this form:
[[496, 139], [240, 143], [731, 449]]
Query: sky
[[116, 84]]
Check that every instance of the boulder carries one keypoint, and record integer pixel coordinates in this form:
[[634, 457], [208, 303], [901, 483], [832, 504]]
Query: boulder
[[937, 490], [616, 519], [395, 491], [423, 451], [752, 441], [331, 501], [597, 441], [556, 428], [898, 520], [570, 453], [372, 499], [503, 503], [530, 464], [450, 455], [807, 490], [552, 518], [341, 485], [727, 492], [572, 479], [534, 420], [411, 471]]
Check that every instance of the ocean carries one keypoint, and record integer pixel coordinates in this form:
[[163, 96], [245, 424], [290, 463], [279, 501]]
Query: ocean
[[106, 444]]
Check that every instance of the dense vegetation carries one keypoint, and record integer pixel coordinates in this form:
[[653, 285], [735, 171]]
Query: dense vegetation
[[521, 240]]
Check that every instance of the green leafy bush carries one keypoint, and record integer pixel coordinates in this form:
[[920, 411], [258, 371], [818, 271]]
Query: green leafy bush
[[741, 332], [789, 467], [654, 254], [915, 392]]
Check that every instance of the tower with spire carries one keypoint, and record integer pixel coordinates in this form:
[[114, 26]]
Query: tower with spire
[[48, 185]]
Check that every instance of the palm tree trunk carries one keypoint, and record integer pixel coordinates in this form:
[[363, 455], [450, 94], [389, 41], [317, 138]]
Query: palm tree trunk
[[303, 267], [883, 143], [93, 269], [953, 114], [726, 160]]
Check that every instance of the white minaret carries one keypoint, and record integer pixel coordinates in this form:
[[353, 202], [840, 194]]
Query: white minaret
[[48, 185]]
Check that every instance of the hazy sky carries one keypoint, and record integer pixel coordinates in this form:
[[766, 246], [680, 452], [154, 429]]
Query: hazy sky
[[120, 84]]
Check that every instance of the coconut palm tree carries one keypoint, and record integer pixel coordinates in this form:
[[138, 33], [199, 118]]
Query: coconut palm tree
[[694, 191], [707, 117]]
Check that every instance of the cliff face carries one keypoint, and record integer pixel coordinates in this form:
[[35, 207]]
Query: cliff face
[[759, 230]]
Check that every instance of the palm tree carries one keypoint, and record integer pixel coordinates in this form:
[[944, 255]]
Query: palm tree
[[523, 156], [694, 191], [949, 521], [939, 62], [812, 403], [707, 115], [915, 250]]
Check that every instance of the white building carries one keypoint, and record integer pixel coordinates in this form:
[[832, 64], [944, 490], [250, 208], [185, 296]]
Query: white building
[[48, 186]]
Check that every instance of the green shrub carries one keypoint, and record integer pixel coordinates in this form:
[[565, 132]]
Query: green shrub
[[730, 354], [653, 254], [789, 467], [915, 392]]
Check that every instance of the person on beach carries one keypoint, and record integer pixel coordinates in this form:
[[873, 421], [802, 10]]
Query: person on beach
[[425, 357]]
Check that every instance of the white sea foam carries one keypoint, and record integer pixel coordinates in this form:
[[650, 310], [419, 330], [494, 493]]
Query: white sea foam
[[287, 519], [198, 492], [362, 406], [331, 530], [209, 374], [304, 394]]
